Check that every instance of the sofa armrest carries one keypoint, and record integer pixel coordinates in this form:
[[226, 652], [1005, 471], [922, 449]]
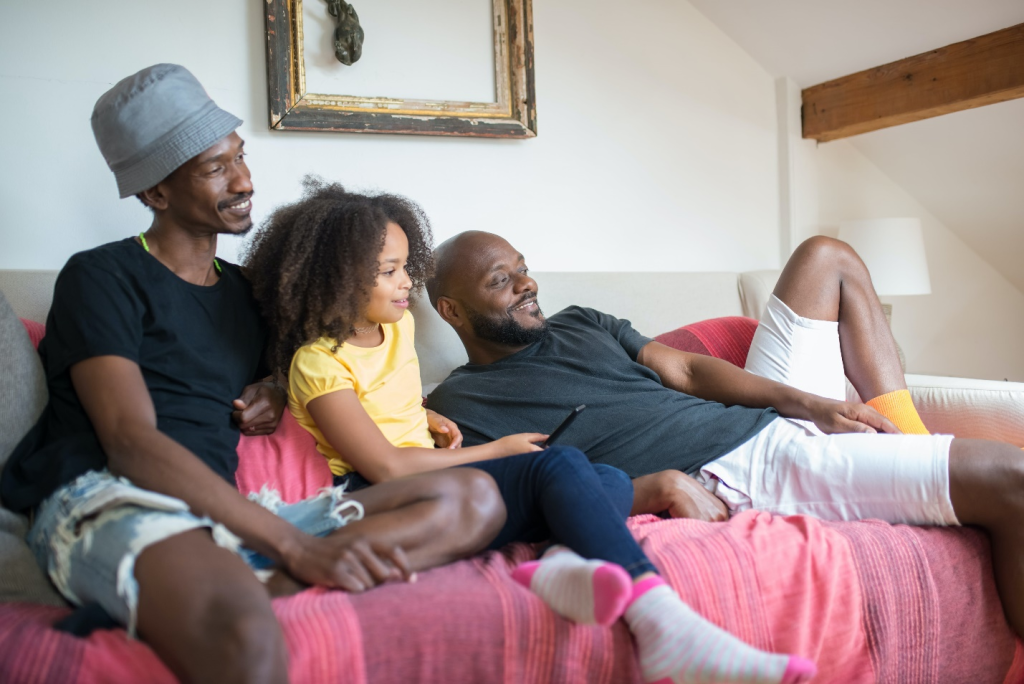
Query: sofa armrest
[[980, 409], [755, 289]]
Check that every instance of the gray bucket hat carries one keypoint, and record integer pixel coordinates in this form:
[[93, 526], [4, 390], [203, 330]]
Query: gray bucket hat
[[154, 121]]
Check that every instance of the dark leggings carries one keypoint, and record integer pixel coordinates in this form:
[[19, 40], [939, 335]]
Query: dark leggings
[[558, 494]]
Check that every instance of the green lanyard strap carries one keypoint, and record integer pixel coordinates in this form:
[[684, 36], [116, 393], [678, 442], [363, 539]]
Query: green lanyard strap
[[142, 237]]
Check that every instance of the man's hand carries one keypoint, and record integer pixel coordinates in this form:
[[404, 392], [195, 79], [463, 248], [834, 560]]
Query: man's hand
[[344, 560], [446, 433], [713, 379], [679, 495], [833, 417], [258, 410]]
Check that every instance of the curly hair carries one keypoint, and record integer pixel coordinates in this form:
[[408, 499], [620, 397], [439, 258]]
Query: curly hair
[[313, 263]]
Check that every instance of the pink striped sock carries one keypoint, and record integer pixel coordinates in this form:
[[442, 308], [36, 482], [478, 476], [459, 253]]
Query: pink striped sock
[[588, 592], [678, 646]]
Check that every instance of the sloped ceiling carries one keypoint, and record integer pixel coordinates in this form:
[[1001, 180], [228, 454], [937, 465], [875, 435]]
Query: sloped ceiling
[[967, 168]]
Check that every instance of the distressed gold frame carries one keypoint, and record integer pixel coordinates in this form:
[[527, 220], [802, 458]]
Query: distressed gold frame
[[514, 115]]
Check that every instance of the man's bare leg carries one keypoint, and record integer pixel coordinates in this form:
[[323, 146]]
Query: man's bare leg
[[986, 486], [434, 518], [206, 615], [827, 281]]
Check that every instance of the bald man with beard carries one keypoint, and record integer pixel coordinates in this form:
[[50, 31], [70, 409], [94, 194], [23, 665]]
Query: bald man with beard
[[776, 436]]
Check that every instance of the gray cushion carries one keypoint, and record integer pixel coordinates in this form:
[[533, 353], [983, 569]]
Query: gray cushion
[[23, 385], [22, 398], [22, 382], [20, 576]]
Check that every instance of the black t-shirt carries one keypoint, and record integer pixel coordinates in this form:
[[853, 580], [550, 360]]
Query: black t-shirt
[[197, 348], [632, 421]]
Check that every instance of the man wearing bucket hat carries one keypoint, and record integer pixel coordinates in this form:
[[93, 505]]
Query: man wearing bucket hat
[[151, 350]]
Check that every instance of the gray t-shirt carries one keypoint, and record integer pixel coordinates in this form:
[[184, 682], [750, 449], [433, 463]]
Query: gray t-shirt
[[632, 421]]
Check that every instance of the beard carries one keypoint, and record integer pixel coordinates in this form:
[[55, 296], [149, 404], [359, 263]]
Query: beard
[[245, 231], [505, 330]]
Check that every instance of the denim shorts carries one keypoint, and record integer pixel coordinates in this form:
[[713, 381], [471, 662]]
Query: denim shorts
[[88, 534], [351, 481]]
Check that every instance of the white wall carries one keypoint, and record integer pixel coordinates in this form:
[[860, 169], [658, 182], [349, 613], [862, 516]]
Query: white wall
[[972, 323], [657, 151], [657, 146]]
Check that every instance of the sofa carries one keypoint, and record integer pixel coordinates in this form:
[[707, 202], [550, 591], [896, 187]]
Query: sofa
[[869, 601]]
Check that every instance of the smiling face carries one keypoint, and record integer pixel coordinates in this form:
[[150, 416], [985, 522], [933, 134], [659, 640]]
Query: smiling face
[[210, 193], [492, 289], [389, 297]]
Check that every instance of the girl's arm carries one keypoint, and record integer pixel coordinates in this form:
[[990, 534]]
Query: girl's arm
[[350, 430]]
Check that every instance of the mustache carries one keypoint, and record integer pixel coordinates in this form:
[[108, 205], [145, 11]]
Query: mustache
[[234, 200], [526, 297]]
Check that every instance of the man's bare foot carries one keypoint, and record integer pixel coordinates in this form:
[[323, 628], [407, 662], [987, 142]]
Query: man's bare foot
[[677, 494], [282, 584]]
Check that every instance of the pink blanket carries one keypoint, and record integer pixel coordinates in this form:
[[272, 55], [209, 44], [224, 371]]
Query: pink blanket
[[870, 602]]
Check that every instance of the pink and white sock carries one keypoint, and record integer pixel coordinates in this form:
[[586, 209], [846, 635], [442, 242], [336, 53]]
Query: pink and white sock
[[585, 591], [677, 646]]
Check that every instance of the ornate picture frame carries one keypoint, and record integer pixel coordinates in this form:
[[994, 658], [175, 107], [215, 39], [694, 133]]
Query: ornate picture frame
[[512, 115]]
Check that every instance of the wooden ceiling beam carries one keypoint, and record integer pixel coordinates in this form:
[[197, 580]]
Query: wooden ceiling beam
[[973, 73]]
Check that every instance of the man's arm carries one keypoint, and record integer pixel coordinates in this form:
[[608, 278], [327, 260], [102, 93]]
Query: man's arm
[[351, 431], [117, 401], [713, 379]]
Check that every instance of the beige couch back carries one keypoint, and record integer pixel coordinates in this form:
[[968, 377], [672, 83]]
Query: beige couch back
[[653, 302], [29, 292]]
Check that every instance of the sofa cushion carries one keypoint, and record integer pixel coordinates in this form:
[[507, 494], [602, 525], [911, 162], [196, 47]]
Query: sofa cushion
[[21, 579], [755, 289], [726, 338], [22, 398], [286, 461], [22, 381], [36, 331]]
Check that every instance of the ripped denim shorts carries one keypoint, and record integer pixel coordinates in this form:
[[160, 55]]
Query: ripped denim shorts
[[89, 532]]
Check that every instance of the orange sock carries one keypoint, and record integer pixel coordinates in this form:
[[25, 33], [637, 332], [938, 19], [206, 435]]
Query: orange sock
[[899, 408]]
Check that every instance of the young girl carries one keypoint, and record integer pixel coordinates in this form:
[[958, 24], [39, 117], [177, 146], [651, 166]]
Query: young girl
[[334, 273]]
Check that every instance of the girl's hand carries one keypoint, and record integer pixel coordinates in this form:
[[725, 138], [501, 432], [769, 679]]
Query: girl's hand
[[446, 433], [521, 443]]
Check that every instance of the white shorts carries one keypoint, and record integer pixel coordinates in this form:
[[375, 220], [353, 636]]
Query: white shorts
[[792, 468]]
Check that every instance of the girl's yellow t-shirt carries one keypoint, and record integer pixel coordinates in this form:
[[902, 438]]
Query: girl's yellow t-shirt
[[386, 379]]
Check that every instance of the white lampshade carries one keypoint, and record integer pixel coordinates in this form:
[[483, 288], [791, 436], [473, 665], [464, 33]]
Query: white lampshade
[[893, 250]]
